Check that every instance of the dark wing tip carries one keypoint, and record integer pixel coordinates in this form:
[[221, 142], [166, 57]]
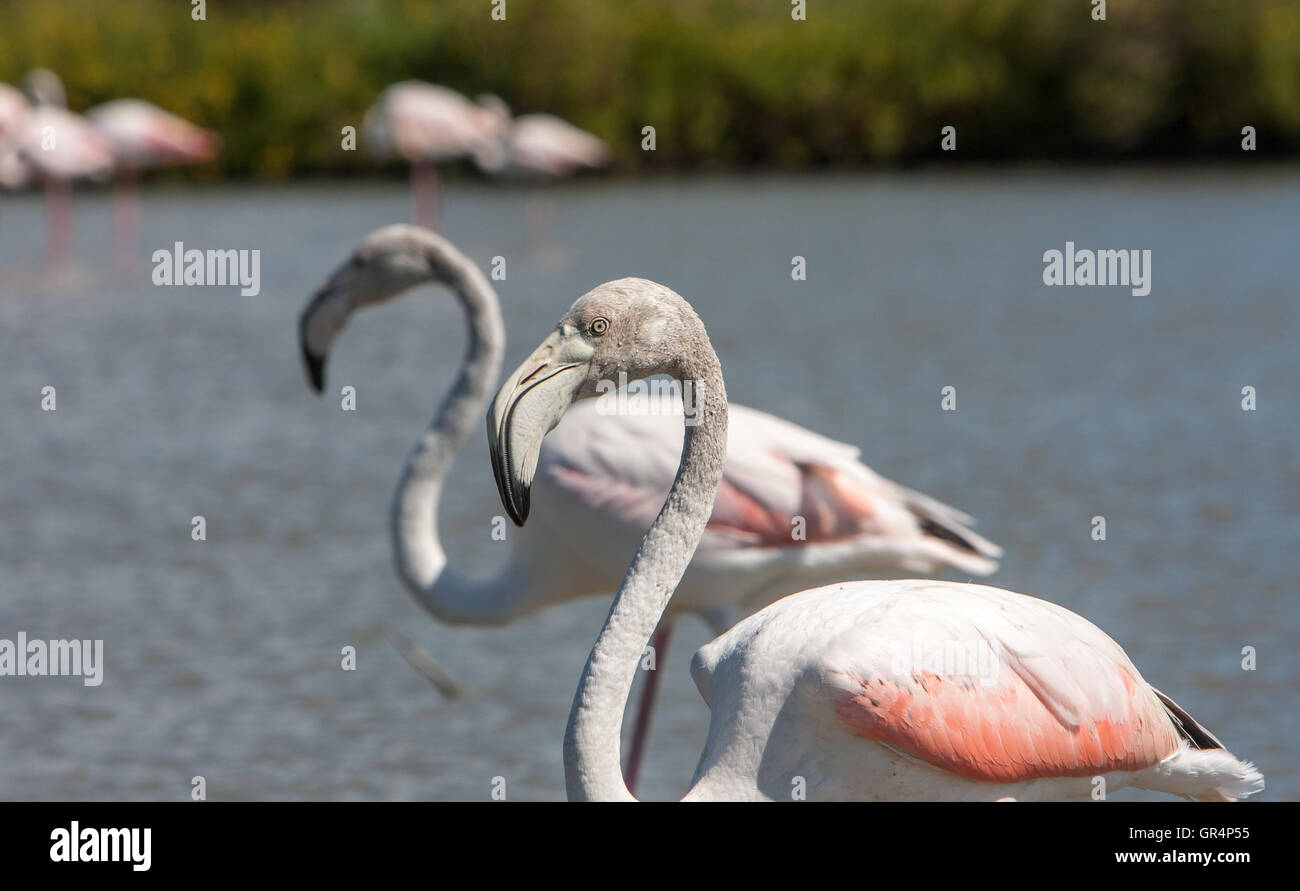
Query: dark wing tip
[[1194, 731]]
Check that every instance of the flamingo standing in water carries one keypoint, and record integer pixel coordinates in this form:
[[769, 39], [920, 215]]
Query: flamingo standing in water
[[425, 124], [849, 691], [53, 145], [143, 137], [602, 477]]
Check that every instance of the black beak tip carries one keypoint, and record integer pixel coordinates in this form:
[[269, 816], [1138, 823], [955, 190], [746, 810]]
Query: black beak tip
[[523, 500], [514, 497], [315, 366]]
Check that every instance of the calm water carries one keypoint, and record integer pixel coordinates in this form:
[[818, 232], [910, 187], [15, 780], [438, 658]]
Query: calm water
[[222, 657]]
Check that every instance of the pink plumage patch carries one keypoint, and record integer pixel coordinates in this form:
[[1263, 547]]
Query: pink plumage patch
[[831, 505], [1003, 732]]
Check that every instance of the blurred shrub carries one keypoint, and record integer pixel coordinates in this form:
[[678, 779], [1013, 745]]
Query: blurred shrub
[[726, 83]]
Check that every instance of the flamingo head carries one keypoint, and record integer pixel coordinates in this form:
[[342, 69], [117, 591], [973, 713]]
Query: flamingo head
[[389, 261], [621, 331], [44, 87]]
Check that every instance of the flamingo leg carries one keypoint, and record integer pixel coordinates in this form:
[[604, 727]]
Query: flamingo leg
[[424, 194], [58, 222], [126, 219], [649, 690]]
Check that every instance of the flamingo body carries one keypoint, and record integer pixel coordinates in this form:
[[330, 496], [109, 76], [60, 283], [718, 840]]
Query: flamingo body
[[59, 145], [602, 478], [422, 122], [545, 146], [891, 690], [144, 136]]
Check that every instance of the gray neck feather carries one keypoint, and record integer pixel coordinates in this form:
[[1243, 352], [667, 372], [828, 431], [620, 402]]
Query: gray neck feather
[[417, 550], [592, 769]]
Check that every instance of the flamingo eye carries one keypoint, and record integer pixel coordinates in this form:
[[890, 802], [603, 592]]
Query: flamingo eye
[[599, 325]]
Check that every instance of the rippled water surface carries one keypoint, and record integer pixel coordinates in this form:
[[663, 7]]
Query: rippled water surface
[[223, 656]]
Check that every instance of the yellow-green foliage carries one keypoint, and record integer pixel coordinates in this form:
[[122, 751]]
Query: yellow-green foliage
[[726, 83]]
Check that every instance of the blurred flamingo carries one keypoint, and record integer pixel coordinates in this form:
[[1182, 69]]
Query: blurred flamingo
[[426, 124], [51, 144], [143, 137], [546, 147]]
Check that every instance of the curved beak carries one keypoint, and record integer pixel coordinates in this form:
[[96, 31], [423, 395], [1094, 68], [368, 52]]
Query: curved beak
[[531, 401], [313, 364], [320, 321]]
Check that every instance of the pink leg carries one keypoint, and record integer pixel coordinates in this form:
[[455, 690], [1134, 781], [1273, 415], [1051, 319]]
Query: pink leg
[[424, 194], [58, 222], [649, 689], [126, 220]]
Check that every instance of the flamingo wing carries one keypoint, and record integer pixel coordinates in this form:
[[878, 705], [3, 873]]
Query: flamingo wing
[[425, 122], [783, 485], [550, 145], [623, 465], [995, 686], [61, 145], [144, 135]]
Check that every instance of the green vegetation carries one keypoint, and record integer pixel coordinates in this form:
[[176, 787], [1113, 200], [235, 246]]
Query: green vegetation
[[726, 83]]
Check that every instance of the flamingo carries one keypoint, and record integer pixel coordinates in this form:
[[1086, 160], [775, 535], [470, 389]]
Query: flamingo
[[544, 146], [836, 692], [53, 145], [425, 124], [606, 475], [143, 137]]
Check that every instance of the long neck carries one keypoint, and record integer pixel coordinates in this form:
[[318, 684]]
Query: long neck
[[592, 768], [417, 549]]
